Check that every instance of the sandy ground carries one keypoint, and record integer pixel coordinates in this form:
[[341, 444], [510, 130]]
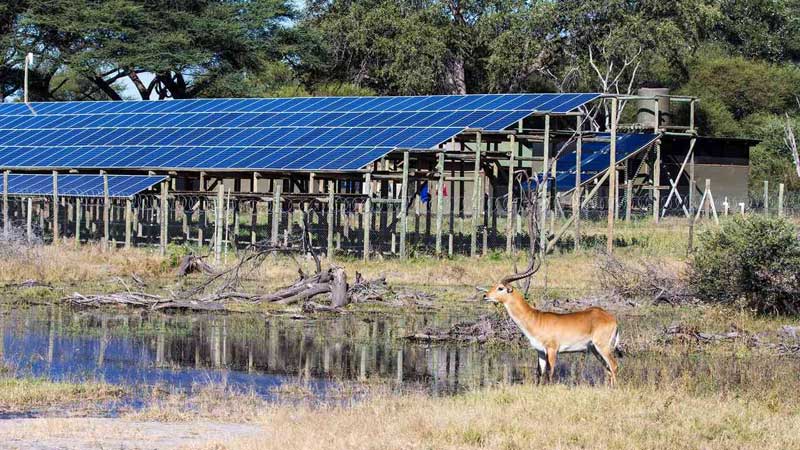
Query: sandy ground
[[112, 434]]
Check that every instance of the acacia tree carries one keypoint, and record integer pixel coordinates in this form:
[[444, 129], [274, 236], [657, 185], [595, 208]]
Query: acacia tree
[[189, 47]]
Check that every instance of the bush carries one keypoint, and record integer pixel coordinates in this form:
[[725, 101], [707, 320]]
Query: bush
[[751, 261]]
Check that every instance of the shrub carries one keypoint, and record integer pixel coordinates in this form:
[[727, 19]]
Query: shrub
[[751, 261]]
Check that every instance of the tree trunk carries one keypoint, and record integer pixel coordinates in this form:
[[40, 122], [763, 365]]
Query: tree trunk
[[455, 78], [339, 296]]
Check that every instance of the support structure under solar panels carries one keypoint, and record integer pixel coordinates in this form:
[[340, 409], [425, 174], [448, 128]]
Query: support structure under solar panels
[[596, 157], [313, 134], [72, 185]]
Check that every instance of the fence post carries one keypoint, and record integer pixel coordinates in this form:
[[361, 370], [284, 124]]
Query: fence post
[[78, 219], [476, 197], [576, 196], [726, 205], [367, 213], [657, 182], [331, 219], [510, 200], [766, 197], [128, 220], [628, 199], [6, 225], [106, 212], [219, 214], [29, 220], [612, 178], [276, 210], [56, 230], [163, 210], [780, 200], [440, 205], [404, 207]]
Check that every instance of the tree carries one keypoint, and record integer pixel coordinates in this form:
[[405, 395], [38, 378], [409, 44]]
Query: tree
[[190, 47]]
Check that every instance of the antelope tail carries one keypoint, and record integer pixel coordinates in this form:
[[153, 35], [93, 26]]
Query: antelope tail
[[615, 343]]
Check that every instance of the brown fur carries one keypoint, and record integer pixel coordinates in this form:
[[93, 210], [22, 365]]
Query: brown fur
[[558, 332]]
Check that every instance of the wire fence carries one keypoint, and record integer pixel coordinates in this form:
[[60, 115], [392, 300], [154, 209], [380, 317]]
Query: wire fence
[[347, 226]]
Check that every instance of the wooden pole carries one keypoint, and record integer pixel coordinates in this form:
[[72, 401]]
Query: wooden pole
[[576, 202], [612, 178], [476, 197], [368, 213], [128, 222], [692, 187], [6, 224], [544, 192], [29, 221], [440, 204], [766, 197], [78, 221], [404, 207], [201, 216], [276, 211], [331, 220], [164, 210], [56, 230], [219, 214], [780, 200], [106, 212], [510, 199], [657, 183], [628, 199]]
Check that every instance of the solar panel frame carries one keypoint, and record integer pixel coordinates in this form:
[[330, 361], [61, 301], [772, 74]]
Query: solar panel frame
[[119, 134], [81, 185]]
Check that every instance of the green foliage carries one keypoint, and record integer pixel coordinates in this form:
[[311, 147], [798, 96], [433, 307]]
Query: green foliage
[[175, 253], [751, 261], [771, 159]]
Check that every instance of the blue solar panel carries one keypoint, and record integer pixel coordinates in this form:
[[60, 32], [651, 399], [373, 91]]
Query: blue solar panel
[[71, 185], [596, 156], [311, 133]]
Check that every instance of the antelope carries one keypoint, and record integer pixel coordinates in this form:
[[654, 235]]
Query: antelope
[[552, 333]]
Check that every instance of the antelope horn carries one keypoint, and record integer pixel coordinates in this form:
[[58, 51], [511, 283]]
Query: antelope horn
[[532, 268]]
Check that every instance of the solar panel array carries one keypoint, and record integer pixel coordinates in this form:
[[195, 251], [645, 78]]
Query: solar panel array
[[596, 157], [71, 185], [297, 134]]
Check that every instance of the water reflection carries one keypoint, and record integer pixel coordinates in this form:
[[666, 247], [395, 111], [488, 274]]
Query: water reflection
[[246, 352]]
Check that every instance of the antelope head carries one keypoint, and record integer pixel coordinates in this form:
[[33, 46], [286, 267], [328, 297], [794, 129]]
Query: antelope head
[[504, 291]]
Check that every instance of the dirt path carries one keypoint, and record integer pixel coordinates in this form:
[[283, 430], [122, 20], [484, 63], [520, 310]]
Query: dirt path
[[111, 434]]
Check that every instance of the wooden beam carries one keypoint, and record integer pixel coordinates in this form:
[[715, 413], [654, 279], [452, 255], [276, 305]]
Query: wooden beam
[[510, 200], [612, 178], [106, 212], [128, 223], [404, 207], [476, 213], [78, 212], [163, 210], [576, 202], [6, 224], [367, 214], [544, 192], [439, 205], [56, 230]]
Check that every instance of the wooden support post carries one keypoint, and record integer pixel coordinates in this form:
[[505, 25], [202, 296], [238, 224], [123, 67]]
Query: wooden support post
[[106, 212], [6, 224], [368, 213], [276, 211], [163, 210], [476, 198], [780, 200], [576, 198], [404, 207], [128, 222], [766, 197], [439, 204], [692, 188], [726, 207], [510, 199], [628, 199], [612, 178], [201, 216], [56, 229], [450, 244], [657, 182], [218, 216], [544, 199], [331, 220], [78, 221], [29, 221]]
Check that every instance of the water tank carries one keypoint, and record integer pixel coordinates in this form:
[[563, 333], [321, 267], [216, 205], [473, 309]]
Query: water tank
[[645, 108]]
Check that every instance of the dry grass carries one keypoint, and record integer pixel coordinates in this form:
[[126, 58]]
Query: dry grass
[[68, 264], [25, 394], [518, 417]]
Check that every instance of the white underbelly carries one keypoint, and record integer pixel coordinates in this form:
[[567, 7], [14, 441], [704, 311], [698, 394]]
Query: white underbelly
[[579, 346]]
